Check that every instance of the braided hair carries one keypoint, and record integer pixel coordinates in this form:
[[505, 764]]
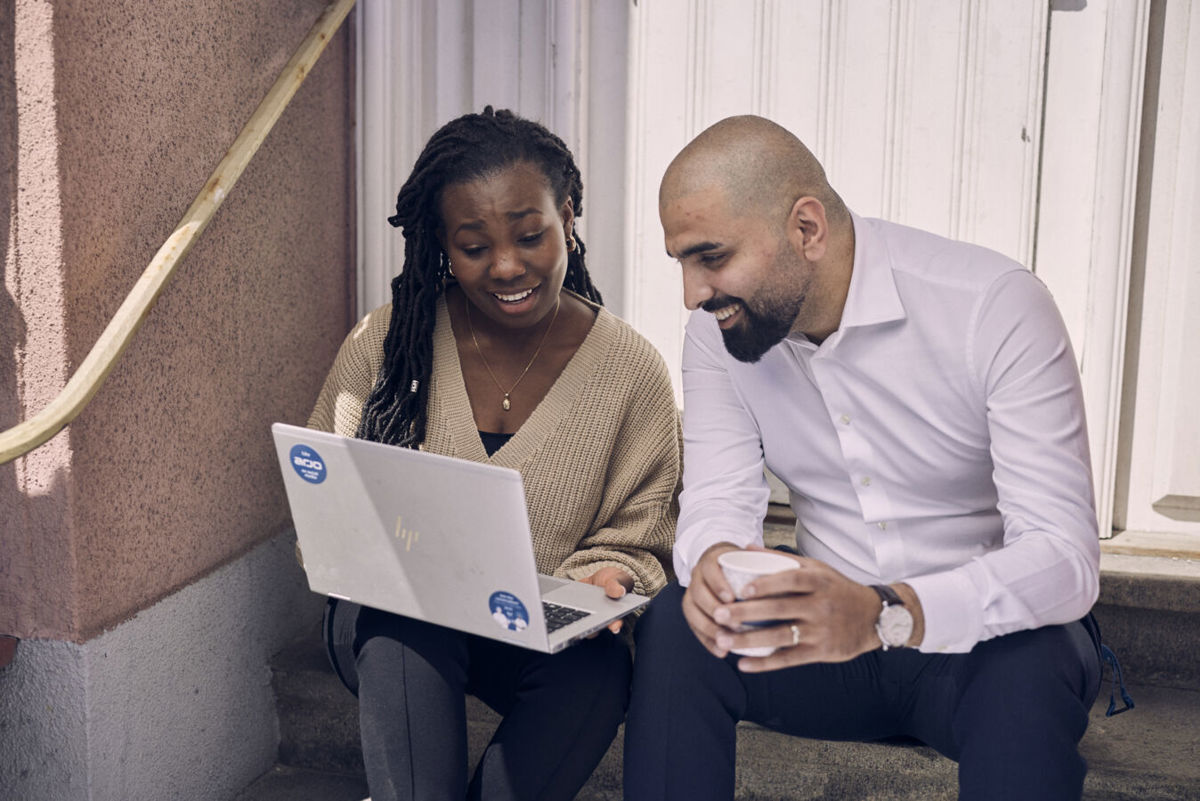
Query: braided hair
[[466, 149]]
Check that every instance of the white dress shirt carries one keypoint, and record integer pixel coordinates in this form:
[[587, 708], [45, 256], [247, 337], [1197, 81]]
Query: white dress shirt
[[937, 437]]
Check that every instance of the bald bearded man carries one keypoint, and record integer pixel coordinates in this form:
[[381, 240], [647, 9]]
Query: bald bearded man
[[920, 400]]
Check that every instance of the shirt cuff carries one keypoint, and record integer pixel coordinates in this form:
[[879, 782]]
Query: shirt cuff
[[690, 548], [953, 611]]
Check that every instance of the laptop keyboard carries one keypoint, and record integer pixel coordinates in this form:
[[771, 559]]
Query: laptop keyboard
[[558, 616]]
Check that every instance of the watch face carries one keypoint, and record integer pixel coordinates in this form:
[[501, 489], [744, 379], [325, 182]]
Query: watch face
[[895, 626]]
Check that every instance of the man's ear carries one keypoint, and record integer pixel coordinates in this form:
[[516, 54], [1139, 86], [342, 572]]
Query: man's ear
[[807, 228]]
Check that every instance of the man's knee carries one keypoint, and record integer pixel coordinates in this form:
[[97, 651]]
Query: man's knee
[[669, 651], [663, 623], [1047, 660], [1031, 689], [1025, 701], [602, 666]]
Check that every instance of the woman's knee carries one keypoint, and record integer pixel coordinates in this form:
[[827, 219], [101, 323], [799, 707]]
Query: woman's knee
[[442, 649]]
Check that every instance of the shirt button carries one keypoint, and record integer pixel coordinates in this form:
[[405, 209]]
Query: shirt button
[[845, 419], [866, 481], [883, 526]]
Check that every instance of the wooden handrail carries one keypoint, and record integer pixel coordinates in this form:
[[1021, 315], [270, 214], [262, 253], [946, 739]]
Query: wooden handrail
[[26, 436]]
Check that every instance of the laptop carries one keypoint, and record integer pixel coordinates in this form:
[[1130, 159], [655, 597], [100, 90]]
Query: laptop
[[430, 537]]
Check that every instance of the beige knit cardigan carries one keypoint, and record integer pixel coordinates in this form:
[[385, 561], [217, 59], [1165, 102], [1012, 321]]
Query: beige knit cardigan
[[599, 456]]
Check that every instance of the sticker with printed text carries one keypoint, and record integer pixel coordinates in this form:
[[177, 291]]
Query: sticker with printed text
[[308, 464]]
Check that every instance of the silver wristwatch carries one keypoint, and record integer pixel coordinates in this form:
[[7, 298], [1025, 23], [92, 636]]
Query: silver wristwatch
[[895, 623]]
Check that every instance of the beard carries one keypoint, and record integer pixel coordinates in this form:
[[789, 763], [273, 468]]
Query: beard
[[764, 324]]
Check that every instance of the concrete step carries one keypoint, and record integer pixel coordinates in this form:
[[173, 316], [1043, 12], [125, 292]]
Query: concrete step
[[284, 783], [1147, 754], [1149, 612]]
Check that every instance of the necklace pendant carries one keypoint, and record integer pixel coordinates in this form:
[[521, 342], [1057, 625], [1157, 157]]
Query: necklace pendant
[[506, 404]]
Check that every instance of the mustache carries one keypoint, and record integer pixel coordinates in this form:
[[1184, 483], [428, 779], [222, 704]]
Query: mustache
[[717, 303]]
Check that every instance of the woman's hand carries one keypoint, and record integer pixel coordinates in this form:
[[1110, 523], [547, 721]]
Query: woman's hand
[[616, 582]]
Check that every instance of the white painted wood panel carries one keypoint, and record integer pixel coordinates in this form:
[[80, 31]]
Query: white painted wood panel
[[1164, 419], [662, 94], [603, 76], [795, 72], [860, 60], [448, 89], [1087, 195], [927, 113], [425, 62]]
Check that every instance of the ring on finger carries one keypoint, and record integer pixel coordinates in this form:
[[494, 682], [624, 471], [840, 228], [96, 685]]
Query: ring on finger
[[795, 635]]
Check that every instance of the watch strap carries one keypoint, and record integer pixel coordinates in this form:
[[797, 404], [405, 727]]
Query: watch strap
[[887, 595], [893, 605]]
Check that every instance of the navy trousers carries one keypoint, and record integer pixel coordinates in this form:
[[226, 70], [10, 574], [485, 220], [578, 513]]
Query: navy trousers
[[561, 711], [1011, 712]]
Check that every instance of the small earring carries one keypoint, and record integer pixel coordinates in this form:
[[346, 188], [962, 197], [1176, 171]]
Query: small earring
[[572, 244], [450, 269]]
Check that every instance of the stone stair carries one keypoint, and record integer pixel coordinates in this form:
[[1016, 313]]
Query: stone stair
[[1149, 612]]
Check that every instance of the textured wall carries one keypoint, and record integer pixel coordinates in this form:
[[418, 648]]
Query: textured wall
[[10, 332], [169, 472], [37, 585], [173, 704]]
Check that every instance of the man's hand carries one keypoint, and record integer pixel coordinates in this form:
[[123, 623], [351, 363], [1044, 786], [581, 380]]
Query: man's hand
[[820, 615], [823, 617], [616, 582], [707, 592]]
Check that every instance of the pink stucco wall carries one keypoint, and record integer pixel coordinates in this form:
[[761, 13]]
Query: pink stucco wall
[[169, 472]]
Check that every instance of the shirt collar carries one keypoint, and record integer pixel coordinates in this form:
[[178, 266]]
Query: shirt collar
[[872, 298]]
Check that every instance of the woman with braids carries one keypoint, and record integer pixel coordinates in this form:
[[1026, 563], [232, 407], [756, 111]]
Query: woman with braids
[[496, 348]]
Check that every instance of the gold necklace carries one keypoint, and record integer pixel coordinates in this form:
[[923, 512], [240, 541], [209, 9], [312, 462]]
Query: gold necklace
[[505, 404]]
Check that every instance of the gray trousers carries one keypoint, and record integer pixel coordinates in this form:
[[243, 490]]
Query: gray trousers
[[561, 711]]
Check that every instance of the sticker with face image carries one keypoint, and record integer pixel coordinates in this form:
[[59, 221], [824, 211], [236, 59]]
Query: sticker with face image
[[508, 611]]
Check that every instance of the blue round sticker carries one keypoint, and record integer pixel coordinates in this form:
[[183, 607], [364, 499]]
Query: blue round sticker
[[508, 611], [308, 464]]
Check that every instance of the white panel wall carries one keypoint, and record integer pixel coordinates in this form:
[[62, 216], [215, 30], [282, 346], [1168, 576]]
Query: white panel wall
[[926, 113], [1094, 87], [425, 62], [1164, 418]]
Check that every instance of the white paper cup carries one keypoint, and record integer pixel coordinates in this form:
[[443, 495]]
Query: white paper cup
[[742, 567]]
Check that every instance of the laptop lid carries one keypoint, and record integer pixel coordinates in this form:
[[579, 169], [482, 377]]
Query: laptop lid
[[427, 536]]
